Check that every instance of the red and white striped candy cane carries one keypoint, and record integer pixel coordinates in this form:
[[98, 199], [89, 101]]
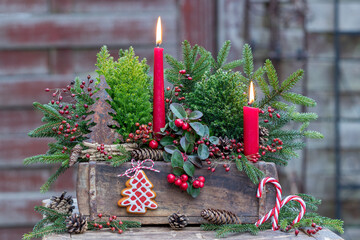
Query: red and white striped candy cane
[[275, 211], [302, 204]]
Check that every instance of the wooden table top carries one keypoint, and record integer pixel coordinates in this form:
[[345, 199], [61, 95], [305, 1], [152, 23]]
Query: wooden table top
[[189, 233]]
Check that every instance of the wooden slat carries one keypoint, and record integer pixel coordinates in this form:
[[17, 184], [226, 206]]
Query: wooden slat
[[189, 233], [231, 191]]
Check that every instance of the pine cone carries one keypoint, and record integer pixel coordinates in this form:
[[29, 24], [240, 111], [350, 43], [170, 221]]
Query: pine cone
[[147, 153], [224, 145], [263, 134], [178, 221], [75, 153], [217, 216], [76, 223], [62, 204]]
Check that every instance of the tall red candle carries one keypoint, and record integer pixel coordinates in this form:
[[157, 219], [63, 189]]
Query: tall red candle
[[159, 98], [251, 126]]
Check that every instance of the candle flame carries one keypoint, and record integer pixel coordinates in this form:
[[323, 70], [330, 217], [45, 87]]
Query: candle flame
[[251, 93], [158, 32]]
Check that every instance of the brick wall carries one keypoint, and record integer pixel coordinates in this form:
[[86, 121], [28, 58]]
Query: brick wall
[[46, 43]]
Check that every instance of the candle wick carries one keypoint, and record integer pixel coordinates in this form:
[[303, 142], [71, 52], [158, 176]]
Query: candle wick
[[158, 45], [249, 104]]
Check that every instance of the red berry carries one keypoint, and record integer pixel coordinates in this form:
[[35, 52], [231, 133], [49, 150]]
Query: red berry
[[114, 217], [185, 126], [178, 182], [178, 122], [120, 231], [108, 223], [137, 124], [278, 115], [109, 157], [153, 144], [100, 226], [184, 186], [227, 169], [87, 155], [168, 88], [296, 232], [201, 184], [167, 100], [184, 178], [189, 78], [112, 229], [266, 121], [99, 215], [213, 169], [86, 106], [201, 179], [182, 71], [120, 222], [313, 225], [171, 178], [196, 184], [47, 90]]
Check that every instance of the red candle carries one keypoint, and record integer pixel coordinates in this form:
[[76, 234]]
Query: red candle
[[158, 102], [251, 126]]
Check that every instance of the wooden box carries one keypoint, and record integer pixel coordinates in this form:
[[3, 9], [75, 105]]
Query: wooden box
[[99, 187]]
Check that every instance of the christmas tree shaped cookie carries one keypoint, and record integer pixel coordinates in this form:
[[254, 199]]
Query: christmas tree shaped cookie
[[138, 196]]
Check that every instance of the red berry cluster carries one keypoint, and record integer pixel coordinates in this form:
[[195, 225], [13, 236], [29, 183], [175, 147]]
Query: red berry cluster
[[102, 151], [182, 181], [142, 134], [175, 94], [271, 112], [187, 76], [67, 130], [109, 224], [275, 146], [180, 123], [309, 231]]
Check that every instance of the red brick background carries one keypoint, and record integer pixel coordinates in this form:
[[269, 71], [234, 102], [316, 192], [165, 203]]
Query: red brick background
[[47, 43]]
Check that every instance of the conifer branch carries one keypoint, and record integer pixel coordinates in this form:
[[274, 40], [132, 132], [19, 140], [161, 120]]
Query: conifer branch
[[248, 60], [291, 80], [298, 99], [271, 74], [46, 159], [45, 187]]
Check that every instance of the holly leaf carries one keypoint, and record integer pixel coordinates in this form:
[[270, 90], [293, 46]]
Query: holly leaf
[[214, 140], [189, 168], [178, 110], [173, 126], [203, 151], [195, 115], [190, 137], [194, 159], [178, 171], [184, 144], [170, 149], [177, 159], [167, 156], [165, 141], [194, 192], [198, 127]]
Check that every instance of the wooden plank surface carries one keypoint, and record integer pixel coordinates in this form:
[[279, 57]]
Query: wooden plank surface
[[190, 233], [232, 191]]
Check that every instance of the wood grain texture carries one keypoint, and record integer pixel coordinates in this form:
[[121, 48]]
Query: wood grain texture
[[190, 233], [232, 191]]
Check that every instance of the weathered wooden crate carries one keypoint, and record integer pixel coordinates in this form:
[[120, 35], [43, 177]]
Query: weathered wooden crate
[[99, 189]]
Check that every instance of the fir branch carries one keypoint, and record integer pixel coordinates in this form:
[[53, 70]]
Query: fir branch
[[48, 111], [43, 232], [261, 81], [224, 230], [232, 65], [280, 105], [121, 158], [55, 158], [223, 54], [248, 60], [304, 126], [303, 117], [45, 130], [313, 135], [298, 99], [291, 80], [45, 187], [187, 55], [271, 74], [175, 64]]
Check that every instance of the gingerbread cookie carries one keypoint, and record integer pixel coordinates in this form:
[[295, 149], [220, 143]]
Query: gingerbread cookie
[[138, 196]]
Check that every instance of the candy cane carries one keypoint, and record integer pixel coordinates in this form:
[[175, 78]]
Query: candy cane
[[275, 211], [299, 200]]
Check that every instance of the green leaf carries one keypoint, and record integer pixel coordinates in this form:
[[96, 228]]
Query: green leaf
[[178, 110], [214, 140], [167, 141], [177, 159], [206, 131], [173, 126], [198, 127], [184, 144], [203, 151], [190, 137], [194, 159], [194, 192], [170, 149], [189, 168], [167, 156], [195, 115], [178, 171]]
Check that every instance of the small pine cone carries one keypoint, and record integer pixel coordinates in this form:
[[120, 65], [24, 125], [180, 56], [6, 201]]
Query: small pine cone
[[178, 221], [147, 153], [62, 204], [75, 153], [76, 223], [225, 145], [217, 216], [263, 134]]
